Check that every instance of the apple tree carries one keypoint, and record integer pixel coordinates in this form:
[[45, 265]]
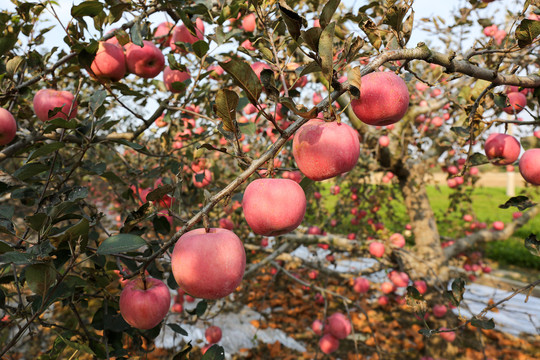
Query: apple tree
[[176, 150]]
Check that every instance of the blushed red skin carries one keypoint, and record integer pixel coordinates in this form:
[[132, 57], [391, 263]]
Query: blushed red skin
[[361, 285], [328, 344], [8, 127], [338, 325], [274, 206], [376, 249], [502, 146], [323, 150], [529, 166], [384, 99], [205, 181], [163, 29], [213, 334], [172, 76], [317, 327], [144, 309], [182, 34], [258, 67], [147, 61], [397, 240], [249, 23], [48, 99], [517, 101], [208, 265], [439, 311], [110, 62]]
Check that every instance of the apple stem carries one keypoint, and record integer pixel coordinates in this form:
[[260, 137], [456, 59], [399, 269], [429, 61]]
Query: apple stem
[[144, 281], [206, 223]]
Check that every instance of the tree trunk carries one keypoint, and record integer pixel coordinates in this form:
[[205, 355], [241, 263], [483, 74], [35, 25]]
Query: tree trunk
[[428, 258]]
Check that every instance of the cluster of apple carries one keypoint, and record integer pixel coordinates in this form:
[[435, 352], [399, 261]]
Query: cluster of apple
[[337, 327]]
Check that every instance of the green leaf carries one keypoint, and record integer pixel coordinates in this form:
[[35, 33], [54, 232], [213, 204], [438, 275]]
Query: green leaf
[[373, 33], [160, 192], [96, 100], [120, 243], [395, 15], [178, 329], [13, 65], [40, 277], [456, 294], [414, 293], [215, 352], [426, 332], [200, 309], [460, 131], [533, 245], [7, 41], [45, 149], [132, 145], [75, 345], [87, 8], [161, 224], [36, 221], [60, 124], [5, 247], [78, 192], [328, 11], [248, 128], [74, 232], [310, 68], [245, 77], [226, 103], [326, 50], [483, 324], [501, 100], [183, 354], [135, 34], [27, 171], [521, 202], [200, 48], [311, 38], [290, 104], [293, 21], [6, 226], [526, 32], [16, 257], [478, 159]]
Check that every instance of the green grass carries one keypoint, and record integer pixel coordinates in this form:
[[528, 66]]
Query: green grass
[[484, 204]]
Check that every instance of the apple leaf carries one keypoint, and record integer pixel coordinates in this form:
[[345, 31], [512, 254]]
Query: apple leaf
[[27, 171], [96, 100], [78, 230], [302, 111], [160, 192], [200, 309], [483, 324], [245, 77], [533, 245], [226, 103], [354, 77], [178, 329], [521, 202], [135, 34], [40, 277], [373, 33], [161, 224], [183, 354], [328, 11], [395, 15], [293, 21], [478, 159], [200, 48], [215, 352], [120, 243], [87, 8], [311, 37], [526, 32], [326, 50], [45, 150], [18, 258], [426, 332], [309, 68], [456, 294]]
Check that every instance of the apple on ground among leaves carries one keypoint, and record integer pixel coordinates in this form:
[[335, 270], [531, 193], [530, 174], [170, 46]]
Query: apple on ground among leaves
[[273, 206], [361, 285], [146, 61], [384, 99], [439, 310], [8, 127], [46, 100], [376, 249], [502, 146], [109, 63], [338, 325], [328, 344], [387, 287], [397, 240], [529, 166], [213, 334], [208, 265], [317, 327], [421, 286], [323, 150], [172, 76], [144, 306], [449, 336]]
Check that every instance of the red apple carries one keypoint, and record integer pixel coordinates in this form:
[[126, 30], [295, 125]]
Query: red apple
[[382, 300], [258, 67], [384, 99], [397, 240], [213, 334], [207, 179], [338, 325], [146, 61], [376, 249], [361, 285], [172, 76], [249, 23], [182, 34], [449, 336], [226, 223], [439, 310], [323, 150], [274, 206], [384, 141], [208, 265], [498, 225], [328, 344], [421, 286], [110, 62], [317, 327], [529, 166], [516, 102], [162, 35], [502, 146], [46, 100], [144, 307], [8, 126], [399, 279], [387, 287]]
